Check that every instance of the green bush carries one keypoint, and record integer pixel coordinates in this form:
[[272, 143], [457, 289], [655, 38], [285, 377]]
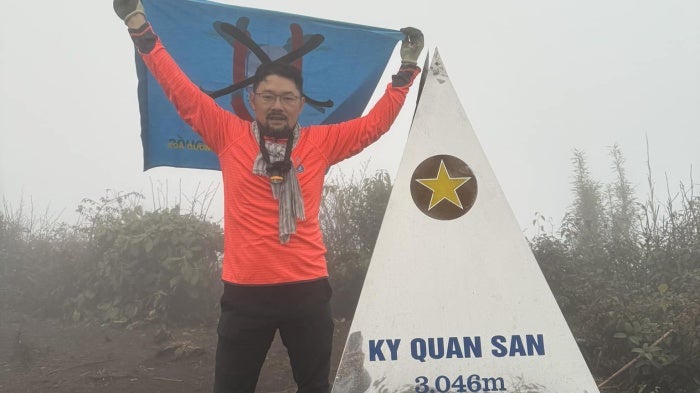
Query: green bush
[[37, 257], [627, 279], [147, 265], [119, 264], [350, 218]]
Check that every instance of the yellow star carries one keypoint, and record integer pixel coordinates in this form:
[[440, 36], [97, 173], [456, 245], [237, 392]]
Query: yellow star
[[444, 187]]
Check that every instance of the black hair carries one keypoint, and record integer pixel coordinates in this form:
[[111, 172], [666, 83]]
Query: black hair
[[287, 71]]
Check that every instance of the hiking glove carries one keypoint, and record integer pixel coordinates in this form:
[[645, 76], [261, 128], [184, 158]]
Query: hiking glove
[[411, 45], [127, 8]]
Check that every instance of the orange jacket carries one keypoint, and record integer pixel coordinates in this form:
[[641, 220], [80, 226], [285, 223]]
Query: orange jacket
[[253, 254]]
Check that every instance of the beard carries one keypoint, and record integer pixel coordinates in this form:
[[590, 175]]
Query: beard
[[275, 133], [281, 132]]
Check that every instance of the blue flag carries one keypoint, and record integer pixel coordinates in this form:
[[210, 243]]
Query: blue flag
[[219, 47]]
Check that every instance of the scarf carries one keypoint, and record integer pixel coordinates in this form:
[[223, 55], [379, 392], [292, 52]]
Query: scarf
[[288, 192]]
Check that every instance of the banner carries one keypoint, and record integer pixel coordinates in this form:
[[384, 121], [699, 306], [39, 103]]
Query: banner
[[220, 46]]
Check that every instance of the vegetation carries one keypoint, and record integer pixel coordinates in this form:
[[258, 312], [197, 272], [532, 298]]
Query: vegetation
[[351, 214], [121, 264], [626, 274]]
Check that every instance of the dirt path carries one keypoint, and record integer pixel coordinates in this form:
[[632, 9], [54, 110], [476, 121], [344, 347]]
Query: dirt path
[[54, 356]]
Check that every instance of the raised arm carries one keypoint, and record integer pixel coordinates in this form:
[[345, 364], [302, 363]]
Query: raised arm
[[215, 125], [343, 140]]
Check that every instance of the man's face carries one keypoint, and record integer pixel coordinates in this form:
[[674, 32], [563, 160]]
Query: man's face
[[277, 105]]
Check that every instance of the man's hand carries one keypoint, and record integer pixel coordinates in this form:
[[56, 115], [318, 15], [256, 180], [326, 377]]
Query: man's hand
[[126, 9], [411, 46]]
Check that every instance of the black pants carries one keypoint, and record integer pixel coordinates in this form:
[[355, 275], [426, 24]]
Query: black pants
[[250, 317]]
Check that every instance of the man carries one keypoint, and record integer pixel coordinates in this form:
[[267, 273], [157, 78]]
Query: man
[[274, 271]]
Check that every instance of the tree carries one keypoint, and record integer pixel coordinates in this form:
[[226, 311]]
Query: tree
[[583, 226], [351, 215], [625, 275]]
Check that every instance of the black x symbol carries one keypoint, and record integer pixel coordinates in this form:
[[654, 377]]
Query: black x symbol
[[231, 33]]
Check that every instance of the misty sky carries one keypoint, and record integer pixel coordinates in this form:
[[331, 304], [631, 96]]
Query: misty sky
[[537, 79]]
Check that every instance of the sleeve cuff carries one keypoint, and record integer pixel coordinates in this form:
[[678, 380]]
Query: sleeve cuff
[[407, 73], [144, 38]]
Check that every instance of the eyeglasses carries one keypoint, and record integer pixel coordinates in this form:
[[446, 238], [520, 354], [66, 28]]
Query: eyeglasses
[[270, 98]]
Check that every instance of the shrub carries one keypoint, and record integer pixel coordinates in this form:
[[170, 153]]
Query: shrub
[[351, 215], [147, 265]]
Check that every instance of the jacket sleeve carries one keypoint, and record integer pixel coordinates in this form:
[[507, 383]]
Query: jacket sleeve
[[344, 140], [215, 125]]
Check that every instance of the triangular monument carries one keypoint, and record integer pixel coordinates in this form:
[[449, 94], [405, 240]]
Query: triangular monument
[[454, 300]]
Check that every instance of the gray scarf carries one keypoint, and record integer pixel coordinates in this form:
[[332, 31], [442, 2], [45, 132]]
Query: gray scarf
[[288, 192]]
